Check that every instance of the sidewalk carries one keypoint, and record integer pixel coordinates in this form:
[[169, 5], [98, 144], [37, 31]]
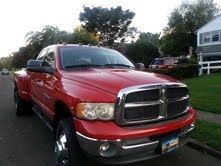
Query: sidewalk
[[209, 117]]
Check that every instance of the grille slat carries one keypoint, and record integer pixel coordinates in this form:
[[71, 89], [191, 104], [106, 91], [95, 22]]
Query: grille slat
[[178, 99], [142, 104], [173, 93], [141, 96], [177, 107], [141, 113], [153, 103]]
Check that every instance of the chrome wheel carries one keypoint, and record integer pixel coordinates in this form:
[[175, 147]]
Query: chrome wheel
[[61, 150]]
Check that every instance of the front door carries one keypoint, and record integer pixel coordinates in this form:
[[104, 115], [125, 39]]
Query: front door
[[48, 81], [36, 82]]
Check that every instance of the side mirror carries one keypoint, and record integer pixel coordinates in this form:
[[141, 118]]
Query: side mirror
[[36, 66], [31, 64], [140, 66]]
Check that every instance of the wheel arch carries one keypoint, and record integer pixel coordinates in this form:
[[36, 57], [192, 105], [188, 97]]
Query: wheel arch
[[61, 110]]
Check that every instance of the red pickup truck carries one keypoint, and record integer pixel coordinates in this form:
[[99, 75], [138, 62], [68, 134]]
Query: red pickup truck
[[101, 106]]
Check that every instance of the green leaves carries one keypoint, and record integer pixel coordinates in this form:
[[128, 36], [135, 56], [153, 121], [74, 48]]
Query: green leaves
[[179, 34], [142, 51], [48, 36], [108, 24], [152, 38]]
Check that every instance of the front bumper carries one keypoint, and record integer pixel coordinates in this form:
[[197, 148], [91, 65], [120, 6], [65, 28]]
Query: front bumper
[[133, 143], [132, 150]]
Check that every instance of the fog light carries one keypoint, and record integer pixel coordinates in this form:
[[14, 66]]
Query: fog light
[[104, 147]]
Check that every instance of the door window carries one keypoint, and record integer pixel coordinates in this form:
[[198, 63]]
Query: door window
[[42, 54], [49, 59]]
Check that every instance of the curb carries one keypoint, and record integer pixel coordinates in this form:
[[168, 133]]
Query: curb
[[199, 146]]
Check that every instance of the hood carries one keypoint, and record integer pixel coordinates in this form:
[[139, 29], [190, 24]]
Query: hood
[[113, 80]]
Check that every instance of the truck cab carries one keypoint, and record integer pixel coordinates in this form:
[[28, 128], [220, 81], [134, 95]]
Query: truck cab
[[101, 106]]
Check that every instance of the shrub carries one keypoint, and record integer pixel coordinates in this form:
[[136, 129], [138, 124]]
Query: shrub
[[192, 61], [179, 72]]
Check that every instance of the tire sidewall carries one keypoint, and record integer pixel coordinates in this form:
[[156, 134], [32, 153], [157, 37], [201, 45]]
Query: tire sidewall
[[76, 157], [18, 103]]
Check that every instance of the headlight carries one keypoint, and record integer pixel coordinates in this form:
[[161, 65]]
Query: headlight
[[93, 111]]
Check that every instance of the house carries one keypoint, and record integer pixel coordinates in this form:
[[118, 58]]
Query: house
[[209, 45]]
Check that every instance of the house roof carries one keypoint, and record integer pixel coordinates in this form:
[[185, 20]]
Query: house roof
[[219, 15]]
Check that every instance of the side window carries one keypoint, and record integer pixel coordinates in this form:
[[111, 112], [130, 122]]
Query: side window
[[49, 59], [215, 37], [42, 54], [207, 37]]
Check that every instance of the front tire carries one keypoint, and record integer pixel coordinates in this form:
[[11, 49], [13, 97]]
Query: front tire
[[67, 148]]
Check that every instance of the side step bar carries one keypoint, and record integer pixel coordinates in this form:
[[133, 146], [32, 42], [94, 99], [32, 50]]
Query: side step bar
[[42, 116]]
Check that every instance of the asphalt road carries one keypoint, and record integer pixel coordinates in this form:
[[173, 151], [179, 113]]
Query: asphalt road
[[26, 141]]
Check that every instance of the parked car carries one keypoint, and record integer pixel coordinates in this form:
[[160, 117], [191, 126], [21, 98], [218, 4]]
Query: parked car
[[5, 72], [164, 63], [101, 106]]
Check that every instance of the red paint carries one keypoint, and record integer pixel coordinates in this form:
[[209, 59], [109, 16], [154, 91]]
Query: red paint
[[109, 130], [92, 85]]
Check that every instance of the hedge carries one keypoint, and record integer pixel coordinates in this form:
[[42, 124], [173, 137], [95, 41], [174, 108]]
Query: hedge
[[179, 72]]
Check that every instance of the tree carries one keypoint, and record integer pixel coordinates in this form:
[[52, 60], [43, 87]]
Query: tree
[[152, 38], [20, 58], [110, 24], [142, 51], [6, 62], [179, 34], [130, 35], [80, 35], [48, 36]]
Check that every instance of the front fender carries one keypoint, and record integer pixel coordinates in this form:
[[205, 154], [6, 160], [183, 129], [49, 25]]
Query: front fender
[[71, 93]]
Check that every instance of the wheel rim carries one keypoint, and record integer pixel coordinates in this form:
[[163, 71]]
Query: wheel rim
[[61, 150]]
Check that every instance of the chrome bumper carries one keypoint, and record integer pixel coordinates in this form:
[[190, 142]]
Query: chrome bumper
[[127, 151]]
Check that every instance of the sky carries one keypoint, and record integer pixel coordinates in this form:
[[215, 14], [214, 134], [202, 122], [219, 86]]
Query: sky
[[18, 17]]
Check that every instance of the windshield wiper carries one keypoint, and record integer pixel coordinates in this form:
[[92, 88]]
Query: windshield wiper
[[82, 65], [117, 65], [92, 65]]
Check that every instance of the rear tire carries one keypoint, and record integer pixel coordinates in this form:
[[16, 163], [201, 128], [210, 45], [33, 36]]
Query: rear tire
[[20, 105], [67, 148]]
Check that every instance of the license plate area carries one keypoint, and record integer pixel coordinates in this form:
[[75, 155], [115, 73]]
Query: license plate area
[[169, 144]]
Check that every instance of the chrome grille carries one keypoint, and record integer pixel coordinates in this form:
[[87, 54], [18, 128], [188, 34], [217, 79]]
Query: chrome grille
[[142, 96], [141, 113], [173, 93], [176, 107], [150, 103]]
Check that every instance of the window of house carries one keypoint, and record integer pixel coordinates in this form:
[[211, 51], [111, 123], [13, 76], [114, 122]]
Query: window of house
[[207, 38], [215, 37]]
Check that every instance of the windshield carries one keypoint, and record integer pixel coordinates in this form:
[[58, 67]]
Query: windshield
[[74, 57]]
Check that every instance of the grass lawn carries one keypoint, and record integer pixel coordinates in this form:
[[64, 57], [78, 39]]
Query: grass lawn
[[208, 133], [205, 92]]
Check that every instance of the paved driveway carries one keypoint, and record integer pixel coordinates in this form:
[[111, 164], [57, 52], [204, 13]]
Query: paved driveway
[[26, 141]]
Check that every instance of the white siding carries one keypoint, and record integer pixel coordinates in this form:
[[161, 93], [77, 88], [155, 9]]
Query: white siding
[[211, 26]]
